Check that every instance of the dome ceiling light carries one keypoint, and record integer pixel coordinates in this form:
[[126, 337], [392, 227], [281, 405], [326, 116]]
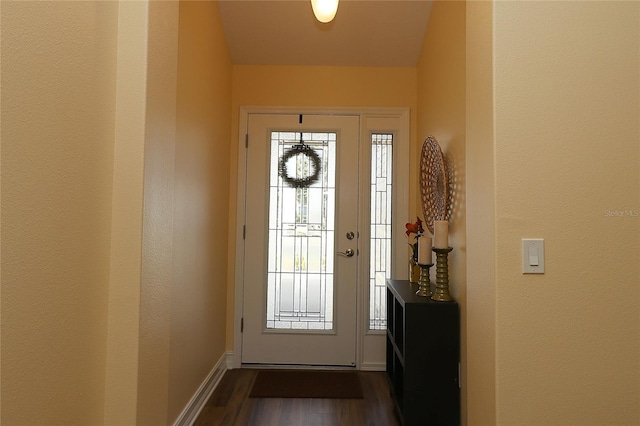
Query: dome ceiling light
[[324, 10]]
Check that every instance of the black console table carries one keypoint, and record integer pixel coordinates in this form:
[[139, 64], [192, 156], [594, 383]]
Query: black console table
[[423, 356]]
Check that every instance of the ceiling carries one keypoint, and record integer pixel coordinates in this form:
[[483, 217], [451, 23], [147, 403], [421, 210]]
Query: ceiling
[[376, 33]]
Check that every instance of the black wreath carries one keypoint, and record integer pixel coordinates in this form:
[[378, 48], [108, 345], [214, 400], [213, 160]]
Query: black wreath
[[304, 182]]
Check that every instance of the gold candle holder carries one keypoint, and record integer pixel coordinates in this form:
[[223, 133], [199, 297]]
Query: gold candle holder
[[414, 270], [442, 276], [424, 285]]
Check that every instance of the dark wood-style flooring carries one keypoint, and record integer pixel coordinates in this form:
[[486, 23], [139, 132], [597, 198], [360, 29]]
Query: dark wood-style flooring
[[230, 405]]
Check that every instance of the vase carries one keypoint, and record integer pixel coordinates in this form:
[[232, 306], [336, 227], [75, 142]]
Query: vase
[[414, 270]]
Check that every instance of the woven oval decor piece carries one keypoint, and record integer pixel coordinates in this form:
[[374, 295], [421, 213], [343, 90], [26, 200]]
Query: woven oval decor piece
[[434, 185]]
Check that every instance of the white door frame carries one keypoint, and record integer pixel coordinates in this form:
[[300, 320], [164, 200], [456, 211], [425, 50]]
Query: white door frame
[[368, 342]]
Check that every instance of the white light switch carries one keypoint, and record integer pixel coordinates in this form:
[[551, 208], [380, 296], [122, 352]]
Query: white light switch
[[532, 256]]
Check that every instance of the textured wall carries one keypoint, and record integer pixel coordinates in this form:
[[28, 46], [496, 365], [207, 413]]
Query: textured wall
[[58, 103], [198, 303], [158, 276], [121, 390], [566, 156], [94, 162], [479, 380]]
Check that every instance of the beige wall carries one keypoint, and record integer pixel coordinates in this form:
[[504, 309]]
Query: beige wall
[[441, 113], [180, 325], [58, 114], [198, 304], [566, 152], [114, 242], [158, 274], [479, 379], [311, 86], [121, 388]]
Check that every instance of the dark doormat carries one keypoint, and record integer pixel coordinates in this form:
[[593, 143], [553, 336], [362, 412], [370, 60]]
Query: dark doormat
[[306, 384]]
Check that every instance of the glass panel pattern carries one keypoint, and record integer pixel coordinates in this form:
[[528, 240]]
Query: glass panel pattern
[[301, 236], [380, 257]]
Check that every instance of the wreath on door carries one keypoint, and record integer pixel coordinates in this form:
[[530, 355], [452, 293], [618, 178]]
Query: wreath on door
[[295, 181]]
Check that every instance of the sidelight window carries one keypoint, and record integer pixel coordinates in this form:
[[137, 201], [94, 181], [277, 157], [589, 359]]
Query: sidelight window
[[381, 201]]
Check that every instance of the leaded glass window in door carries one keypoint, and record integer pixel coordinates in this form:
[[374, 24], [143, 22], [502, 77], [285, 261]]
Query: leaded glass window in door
[[301, 236]]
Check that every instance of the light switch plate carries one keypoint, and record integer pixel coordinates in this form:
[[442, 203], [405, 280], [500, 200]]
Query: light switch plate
[[533, 256]]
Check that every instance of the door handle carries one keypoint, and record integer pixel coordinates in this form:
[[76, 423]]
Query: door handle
[[347, 253]]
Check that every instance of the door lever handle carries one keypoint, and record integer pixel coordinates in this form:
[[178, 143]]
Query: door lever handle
[[347, 253]]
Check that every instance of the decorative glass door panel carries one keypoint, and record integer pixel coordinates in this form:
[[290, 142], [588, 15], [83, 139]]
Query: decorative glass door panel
[[301, 263], [301, 233]]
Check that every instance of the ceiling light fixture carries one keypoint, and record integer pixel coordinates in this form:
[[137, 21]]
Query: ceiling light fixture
[[324, 10]]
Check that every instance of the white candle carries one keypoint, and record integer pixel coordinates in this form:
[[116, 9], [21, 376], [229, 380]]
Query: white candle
[[441, 234], [424, 250]]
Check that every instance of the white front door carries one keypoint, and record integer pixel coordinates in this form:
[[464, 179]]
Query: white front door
[[301, 240]]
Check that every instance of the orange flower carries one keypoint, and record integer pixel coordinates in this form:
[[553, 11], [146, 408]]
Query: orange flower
[[414, 228]]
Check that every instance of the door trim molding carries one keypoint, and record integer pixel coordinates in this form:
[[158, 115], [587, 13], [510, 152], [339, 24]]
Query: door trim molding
[[401, 201]]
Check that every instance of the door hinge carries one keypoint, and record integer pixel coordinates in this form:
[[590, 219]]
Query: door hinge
[[244, 231], [246, 140], [241, 325]]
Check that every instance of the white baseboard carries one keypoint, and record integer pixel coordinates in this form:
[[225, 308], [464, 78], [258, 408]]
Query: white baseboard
[[373, 366], [199, 399], [230, 360]]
